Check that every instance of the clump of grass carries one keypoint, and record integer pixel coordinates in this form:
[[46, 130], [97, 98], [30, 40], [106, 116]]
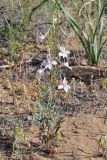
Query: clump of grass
[[20, 142], [103, 83], [18, 132], [15, 24], [103, 144], [91, 32]]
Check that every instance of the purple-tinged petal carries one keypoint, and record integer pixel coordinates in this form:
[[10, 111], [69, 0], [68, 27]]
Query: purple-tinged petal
[[41, 72], [64, 81]]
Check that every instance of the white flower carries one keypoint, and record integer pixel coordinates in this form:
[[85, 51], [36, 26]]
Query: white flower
[[41, 71], [63, 52], [64, 85], [50, 62], [42, 37], [66, 64]]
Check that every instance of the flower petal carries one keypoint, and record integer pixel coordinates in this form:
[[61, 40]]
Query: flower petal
[[66, 88], [43, 64], [64, 51], [49, 66], [64, 81], [62, 54], [66, 64], [60, 87], [61, 48], [41, 72], [42, 37], [54, 63], [67, 52]]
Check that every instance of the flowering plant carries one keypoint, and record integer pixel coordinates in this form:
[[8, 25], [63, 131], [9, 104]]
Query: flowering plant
[[47, 64], [63, 52], [64, 85]]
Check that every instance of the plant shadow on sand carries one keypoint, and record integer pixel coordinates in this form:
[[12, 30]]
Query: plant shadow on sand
[[6, 145]]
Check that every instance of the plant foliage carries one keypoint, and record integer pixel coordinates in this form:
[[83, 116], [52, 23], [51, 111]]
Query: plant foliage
[[91, 36]]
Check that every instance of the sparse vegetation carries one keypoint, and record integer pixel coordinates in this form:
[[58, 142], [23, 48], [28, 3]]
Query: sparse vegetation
[[53, 79]]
